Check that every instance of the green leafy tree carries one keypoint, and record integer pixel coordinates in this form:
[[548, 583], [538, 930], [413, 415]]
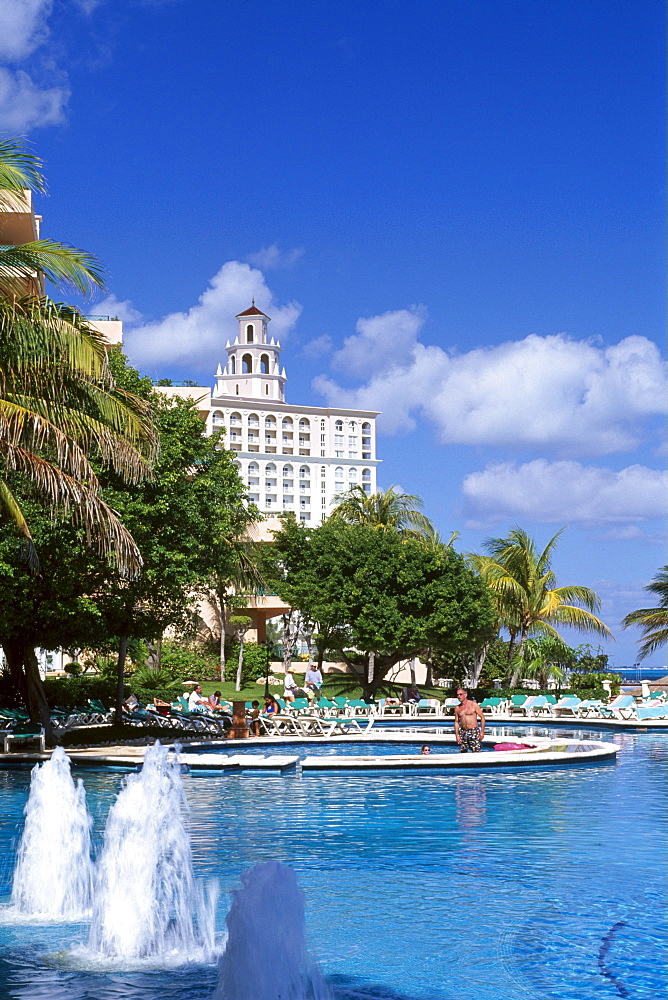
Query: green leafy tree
[[653, 622], [179, 518], [53, 609], [378, 598], [79, 600]]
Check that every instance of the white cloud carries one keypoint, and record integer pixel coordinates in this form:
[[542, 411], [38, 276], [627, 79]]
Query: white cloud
[[22, 27], [24, 105], [565, 492], [382, 343], [123, 310], [572, 397], [632, 533], [317, 347], [199, 335], [272, 258]]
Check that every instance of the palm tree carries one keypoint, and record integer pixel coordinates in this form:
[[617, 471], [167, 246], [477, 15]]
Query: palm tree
[[528, 602], [652, 621], [546, 657], [59, 405], [389, 510]]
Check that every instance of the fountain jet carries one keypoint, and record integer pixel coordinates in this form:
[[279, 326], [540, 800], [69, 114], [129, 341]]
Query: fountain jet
[[147, 904], [54, 873]]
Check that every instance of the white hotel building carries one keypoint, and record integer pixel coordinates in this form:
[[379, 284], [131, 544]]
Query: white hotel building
[[291, 458]]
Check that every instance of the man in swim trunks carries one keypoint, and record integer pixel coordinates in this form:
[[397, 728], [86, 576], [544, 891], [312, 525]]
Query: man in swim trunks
[[467, 714]]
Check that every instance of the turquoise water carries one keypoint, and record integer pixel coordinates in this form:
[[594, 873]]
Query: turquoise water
[[526, 885]]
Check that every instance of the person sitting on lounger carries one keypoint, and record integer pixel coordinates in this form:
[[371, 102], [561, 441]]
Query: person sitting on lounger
[[196, 703], [254, 718], [410, 695], [271, 706], [467, 714]]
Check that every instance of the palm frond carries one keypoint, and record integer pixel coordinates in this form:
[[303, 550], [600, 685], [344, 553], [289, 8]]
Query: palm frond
[[104, 531], [19, 170], [61, 264], [11, 508], [652, 621]]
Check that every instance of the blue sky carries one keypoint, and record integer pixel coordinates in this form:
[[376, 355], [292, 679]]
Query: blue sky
[[453, 212]]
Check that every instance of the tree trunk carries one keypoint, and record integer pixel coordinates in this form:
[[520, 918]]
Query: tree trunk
[[14, 655], [154, 658], [241, 662], [36, 697], [290, 636], [370, 668], [515, 674], [479, 658], [429, 680], [223, 617], [120, 671]]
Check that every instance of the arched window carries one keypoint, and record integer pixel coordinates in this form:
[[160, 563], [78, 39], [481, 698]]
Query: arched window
[[253, 469], [304, 472], [338, 474], [233, 365], [235, 419], [323, 471], [366, 428], [287, 471], [249, 333], [270, 469], [217, 419], [322, 425], [338, 425], [351, 425], [264, 364], [246, 364], [253, 420], [304, 425], [287, 423], [352, 475], [366, 475], [270, 423], [237, 389]]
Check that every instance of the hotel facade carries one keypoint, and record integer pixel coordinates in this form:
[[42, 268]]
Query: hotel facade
[[291, 458]]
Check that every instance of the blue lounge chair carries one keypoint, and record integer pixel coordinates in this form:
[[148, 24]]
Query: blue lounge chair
[[568, 705], [622, 707], [647, 712]]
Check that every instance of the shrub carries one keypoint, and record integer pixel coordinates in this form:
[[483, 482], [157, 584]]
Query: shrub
[[188, 662], [255, 663], [66, 692]]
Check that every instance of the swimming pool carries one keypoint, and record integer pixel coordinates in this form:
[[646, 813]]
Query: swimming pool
[[504, 886]]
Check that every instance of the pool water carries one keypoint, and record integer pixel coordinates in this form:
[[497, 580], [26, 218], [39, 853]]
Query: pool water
[[521, 885]]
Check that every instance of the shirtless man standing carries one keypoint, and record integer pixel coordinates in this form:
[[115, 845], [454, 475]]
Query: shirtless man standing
[[467, 714]]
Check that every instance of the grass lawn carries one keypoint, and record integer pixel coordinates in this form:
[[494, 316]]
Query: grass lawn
[[334, 685]]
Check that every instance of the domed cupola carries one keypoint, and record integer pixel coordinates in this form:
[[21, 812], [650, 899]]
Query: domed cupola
[[252, 370]]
